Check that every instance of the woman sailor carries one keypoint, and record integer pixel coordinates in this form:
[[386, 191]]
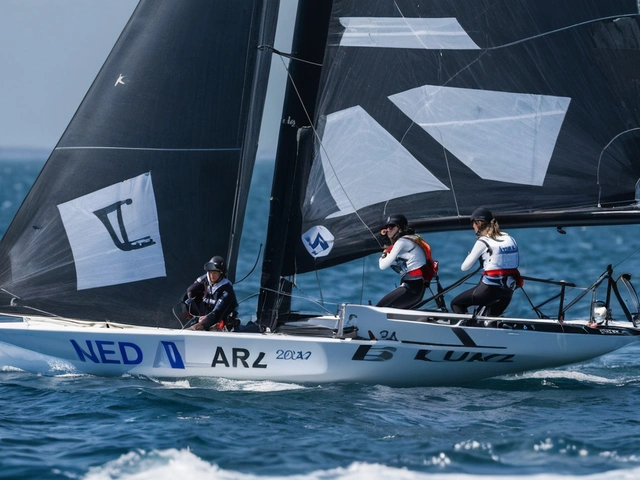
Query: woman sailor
[[410, 257], [499, 258]]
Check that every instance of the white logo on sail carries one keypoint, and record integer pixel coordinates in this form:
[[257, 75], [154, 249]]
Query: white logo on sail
[[501, 136], [358, 151], [119, 80], [395, 32], [318, 241], [114, 234]]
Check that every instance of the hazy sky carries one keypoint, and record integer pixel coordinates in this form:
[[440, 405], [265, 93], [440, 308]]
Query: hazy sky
[[50, 52]]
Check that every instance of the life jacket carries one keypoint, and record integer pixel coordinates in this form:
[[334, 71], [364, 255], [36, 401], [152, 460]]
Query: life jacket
[[501, 262], [429, 269]]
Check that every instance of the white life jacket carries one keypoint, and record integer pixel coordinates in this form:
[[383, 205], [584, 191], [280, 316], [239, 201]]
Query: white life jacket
[[411, 257], [501, 260]]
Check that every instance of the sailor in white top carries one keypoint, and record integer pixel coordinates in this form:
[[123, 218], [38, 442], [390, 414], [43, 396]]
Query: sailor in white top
[[410, 257], [498, 254]]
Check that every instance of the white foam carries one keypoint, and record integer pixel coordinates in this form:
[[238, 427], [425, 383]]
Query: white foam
[[565, 374], [172, 463], [226, 385]]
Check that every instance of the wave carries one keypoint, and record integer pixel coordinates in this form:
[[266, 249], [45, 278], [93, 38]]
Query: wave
[[168, 464]]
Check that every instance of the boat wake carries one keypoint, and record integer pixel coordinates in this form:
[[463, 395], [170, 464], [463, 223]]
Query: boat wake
[[548, 376], [228, 385], [14, 358]]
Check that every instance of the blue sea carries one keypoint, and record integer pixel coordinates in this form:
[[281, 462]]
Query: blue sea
[[576, 422]]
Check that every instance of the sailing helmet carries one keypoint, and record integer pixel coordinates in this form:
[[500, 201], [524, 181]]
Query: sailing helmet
[[483, 214], [397, 219], [216, 264]]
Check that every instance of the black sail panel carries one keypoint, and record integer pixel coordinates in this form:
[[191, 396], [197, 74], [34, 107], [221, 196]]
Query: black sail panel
[[434, 108], [151, 177]]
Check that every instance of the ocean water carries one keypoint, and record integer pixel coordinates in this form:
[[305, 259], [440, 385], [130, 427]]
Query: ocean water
[[576, 422]]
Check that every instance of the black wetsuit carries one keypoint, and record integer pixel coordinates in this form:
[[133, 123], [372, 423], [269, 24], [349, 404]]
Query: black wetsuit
[[215, 301]]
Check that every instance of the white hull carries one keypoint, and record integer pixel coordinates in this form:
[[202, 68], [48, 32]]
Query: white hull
[[410, 349]]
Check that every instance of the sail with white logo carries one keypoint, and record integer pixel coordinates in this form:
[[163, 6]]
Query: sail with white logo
[[141, 188], [434, 108]]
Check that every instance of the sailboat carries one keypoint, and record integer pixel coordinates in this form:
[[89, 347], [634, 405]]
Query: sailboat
[[430, 108]]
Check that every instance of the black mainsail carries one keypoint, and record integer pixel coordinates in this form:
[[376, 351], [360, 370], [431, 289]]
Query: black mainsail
[[151, 177], [434, 108]]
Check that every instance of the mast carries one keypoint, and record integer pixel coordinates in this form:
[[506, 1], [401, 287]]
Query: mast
[[255, 105], [310, 34]]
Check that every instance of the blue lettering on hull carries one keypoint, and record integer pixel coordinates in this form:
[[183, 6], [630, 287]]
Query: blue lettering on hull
[[110, 353], [128, 353]]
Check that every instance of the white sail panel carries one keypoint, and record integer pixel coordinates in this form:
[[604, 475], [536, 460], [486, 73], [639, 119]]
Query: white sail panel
[[423, 33], [114, 234], [364, 164], [501, 136]]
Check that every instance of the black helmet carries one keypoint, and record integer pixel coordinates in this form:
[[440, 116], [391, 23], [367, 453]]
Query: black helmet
[[397, 219], [482, 214], [216, 264]]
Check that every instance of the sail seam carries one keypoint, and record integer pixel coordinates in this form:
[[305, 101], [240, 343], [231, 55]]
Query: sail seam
[[231, 149]]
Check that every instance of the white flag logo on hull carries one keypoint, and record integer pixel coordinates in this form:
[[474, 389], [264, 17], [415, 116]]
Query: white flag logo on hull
[[114, 234]]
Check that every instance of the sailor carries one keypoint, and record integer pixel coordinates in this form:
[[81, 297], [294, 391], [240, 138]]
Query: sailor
[[212, 298], [499, 257], [410, 257]]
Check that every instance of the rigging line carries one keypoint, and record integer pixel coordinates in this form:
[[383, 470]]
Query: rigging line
[[627, 257], [291, 295], [482, 53], [12, 304], [522, 40], [446, 161], [568, 27], [485, 50], [600, 160], [42, 311], [8, 292], [362, 282], [543, 34], [444, 150], [317, 136], [319, 287], [287, 55], [254, 266], [248, 298]]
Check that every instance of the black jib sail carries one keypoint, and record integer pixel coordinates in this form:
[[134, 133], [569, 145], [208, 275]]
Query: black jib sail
[[151, 177], [434, 108]]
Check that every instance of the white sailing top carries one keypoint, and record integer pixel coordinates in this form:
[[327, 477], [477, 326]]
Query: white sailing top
[[405, 256], [496, 255]]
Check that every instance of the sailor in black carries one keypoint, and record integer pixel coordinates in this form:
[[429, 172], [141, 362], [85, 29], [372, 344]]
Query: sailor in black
[[211, 297]]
